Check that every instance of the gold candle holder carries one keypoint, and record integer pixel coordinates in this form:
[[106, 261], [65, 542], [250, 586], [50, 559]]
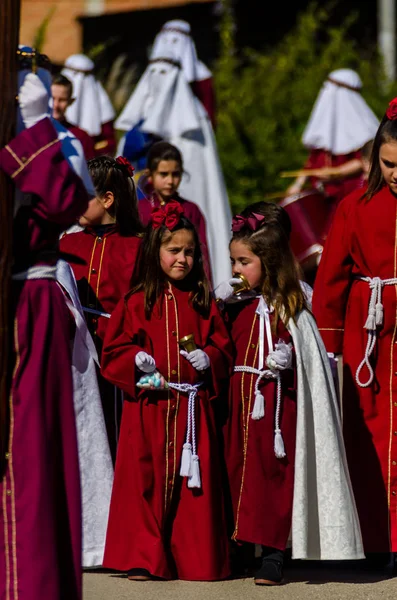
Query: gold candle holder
[[241, 287], [187, 343]]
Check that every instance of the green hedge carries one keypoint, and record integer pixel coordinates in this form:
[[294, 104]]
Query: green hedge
[[265, 99]]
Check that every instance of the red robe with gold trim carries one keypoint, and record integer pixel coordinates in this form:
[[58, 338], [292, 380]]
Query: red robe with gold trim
[[156, 522], [103, 275], [261, 485], [40, 510], [363, 242]]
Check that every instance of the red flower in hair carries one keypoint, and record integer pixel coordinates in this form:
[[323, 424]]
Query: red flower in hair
[[121, 160], [391, 112], [168, 215], [253, 222]]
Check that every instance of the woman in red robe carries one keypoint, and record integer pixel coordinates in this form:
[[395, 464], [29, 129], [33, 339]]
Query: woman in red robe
[[40, 515], [355, 299], [159, 525], [103, 257]]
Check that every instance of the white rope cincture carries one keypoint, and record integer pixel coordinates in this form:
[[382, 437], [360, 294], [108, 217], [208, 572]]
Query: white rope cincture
[[190, 466], [37, 272], [258, 411], [374, 320]]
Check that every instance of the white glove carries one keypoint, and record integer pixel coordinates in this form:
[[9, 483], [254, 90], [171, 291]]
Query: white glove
[[33, 100], [145, 362], [225, 290], [197, 358], [281, 357]]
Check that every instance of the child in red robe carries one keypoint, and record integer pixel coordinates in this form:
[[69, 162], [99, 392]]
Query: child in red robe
[[355, 305], [103, 257], [162, 524], [279, 362], [165, 170]]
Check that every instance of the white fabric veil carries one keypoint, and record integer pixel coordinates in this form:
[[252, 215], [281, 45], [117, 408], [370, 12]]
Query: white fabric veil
[[175, 41], [91, 107], [164, 105], [341, 121]]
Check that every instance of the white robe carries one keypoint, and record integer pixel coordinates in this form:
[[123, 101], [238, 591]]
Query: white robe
[[325, 523], [96, 469]]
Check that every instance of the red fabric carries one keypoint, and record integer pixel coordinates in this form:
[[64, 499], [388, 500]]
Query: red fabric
[[262, 490], [363, 241], [86, 140], [191, 211], [340, 188], [104, 277], [204, 90], [40, 514], [155, 521], [105, 142]]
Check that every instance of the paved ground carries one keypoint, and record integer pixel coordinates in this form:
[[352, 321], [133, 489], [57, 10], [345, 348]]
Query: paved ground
[[304, 582]]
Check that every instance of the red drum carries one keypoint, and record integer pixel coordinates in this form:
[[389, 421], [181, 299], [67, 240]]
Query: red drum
[[309, 212]]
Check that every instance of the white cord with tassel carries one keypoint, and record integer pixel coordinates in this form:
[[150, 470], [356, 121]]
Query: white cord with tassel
[[190, 466]]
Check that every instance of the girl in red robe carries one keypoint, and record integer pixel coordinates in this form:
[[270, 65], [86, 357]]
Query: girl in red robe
[[165, 170], [355, 299], [103, 257], [162, 524], [261, 472]]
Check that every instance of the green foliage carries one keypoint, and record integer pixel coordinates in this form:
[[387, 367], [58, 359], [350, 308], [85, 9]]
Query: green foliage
[[41, 32], [265, 99]]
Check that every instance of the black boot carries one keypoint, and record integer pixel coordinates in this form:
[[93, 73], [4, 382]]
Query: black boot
[[272, 568]]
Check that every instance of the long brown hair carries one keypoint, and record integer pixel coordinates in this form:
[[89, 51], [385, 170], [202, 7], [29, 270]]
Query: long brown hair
[[387, 132], [150, 277], [281, 274]]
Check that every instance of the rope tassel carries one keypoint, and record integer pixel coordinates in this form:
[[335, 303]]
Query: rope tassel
[[194, 480], [259, 406], [279, 449], [186, 461]]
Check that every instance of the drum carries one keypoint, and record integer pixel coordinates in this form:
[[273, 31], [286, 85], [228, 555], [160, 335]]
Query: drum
[[309, 213]]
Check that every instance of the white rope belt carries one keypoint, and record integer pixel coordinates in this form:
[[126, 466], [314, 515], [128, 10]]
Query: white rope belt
[[190, 466], [374, 320], [38, 272], [279, 449]]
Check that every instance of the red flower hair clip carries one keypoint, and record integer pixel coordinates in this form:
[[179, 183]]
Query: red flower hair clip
[[391, 112], [253, 222], [168, 215], [125, 165]]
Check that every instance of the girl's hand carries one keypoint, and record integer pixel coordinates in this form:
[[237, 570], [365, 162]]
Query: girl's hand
[[225, 290], [197, 358], [145, 362], [281, 357]]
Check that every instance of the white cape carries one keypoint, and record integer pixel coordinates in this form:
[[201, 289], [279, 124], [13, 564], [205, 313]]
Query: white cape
[[325, 523], [96, 469]]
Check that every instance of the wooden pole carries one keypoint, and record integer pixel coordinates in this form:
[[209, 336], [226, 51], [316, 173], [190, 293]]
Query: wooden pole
[[9, 35]]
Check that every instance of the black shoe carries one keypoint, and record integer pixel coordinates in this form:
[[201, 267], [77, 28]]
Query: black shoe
[[138, 575], [377, 561], [270, 573]]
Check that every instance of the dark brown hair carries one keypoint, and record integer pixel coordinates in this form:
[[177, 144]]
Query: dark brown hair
[[387, 132], [150, 277], [109, 176], [163, 151], [281, 273], [64, 81]]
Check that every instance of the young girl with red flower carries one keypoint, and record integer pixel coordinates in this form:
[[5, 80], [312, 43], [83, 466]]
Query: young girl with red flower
[[284, 452], [166, 516], [103, 257], [164, 175], [355, 299]]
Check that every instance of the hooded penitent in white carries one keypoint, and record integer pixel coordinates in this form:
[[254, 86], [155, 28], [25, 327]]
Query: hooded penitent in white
[[163, 104], [91, 107], [175, 41], [341, 121]]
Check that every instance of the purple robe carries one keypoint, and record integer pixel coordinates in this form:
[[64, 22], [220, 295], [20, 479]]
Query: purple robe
[[40, 514]]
